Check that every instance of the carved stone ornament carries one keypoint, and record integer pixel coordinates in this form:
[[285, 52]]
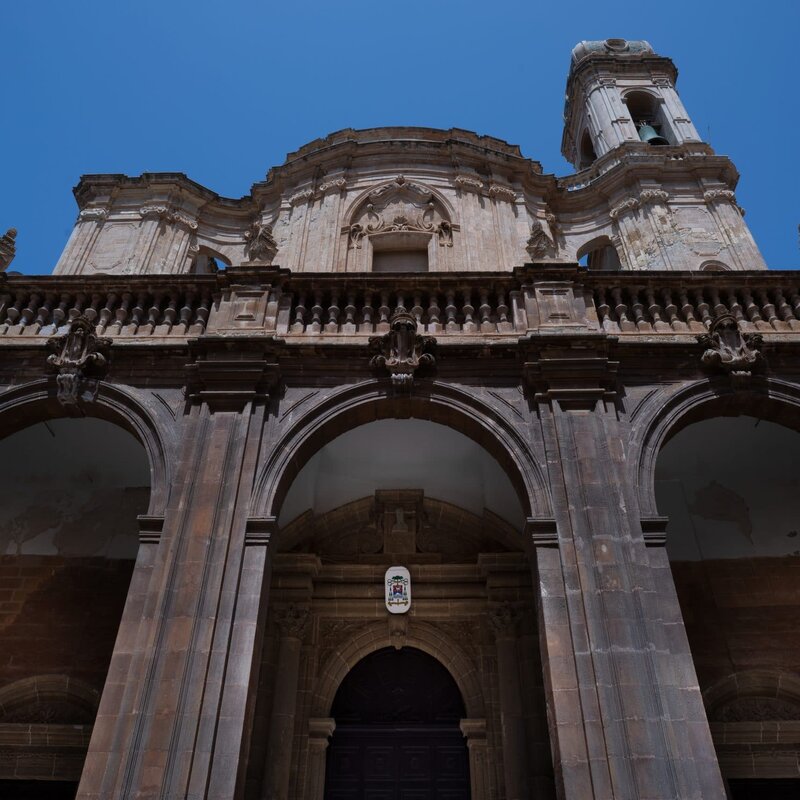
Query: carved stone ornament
[[8, 248], [504, 619], [540, 245], [402, 351], [260, 245], [401, 206], [293, 621], [729, 350], [79, 358]]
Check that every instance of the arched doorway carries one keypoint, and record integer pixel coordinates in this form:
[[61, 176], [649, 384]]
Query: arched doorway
[[397, 734]]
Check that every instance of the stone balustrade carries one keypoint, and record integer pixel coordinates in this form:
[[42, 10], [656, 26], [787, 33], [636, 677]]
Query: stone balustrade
[[334, 307]]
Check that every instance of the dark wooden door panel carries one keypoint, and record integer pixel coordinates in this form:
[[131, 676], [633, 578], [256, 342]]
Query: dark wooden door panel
[[397, 763]]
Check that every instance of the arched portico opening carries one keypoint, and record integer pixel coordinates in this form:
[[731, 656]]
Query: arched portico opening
[[68, 544], [397, 715], [443, 486], [726, 478]]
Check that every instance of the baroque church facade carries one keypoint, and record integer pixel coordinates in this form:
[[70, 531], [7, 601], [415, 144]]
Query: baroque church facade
[[415, 473]]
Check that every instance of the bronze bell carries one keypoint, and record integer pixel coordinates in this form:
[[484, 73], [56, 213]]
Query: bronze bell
[[648, 134]]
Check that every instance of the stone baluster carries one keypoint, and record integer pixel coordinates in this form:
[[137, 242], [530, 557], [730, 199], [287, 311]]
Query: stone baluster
[[604, 312], [702, 308], [202, 313], [504, 619], [106, 312], [434, 313], [687, 309], [671, 310], [77, 306], [468, 310], [43, 314], [29, 311], [153, 313], [383, 313], [316, 314], [137, 314], [170, 315], [60, 311], [753, 312], [654, 310], [734, 306], [13, 311], [366, 314], [485, 313], [417, 310], [642, 325], [767, 308], [450, 312], [186, 311], [621, 310], [292, 623], [785, 310], [91, 312], [299, 324], [122, 312], [503, 323], [349, 324], [320, 730], [719, 307]]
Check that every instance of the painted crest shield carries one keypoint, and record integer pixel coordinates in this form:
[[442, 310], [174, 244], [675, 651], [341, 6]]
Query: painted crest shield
[[397, 583]]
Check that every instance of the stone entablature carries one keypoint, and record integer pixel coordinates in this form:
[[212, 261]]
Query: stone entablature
[[326, 308]]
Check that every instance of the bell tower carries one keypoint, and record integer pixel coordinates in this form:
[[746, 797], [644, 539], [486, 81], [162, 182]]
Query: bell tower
[[620, 92]]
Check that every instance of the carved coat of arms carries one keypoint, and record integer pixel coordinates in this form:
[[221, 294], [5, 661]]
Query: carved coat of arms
[[397, 583]]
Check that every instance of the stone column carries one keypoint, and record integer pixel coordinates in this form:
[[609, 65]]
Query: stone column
[[474, 731], [179, 695], [617, 694], [292, 622], [504, 619], [320, 730]]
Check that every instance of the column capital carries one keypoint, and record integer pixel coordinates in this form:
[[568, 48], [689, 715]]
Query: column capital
[[474, 730], [320, 729]]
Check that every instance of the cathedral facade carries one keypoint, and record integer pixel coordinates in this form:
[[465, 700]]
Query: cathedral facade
[[415, 473]]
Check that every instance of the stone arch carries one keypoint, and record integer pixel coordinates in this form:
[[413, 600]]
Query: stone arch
[[714, 265], [29, 403], [779, 693], [59, 697], [659, 418], [375, 636], [601, 253], [369, 401]]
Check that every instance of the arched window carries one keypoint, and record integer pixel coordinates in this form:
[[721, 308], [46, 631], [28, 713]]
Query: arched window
[[599, 253]]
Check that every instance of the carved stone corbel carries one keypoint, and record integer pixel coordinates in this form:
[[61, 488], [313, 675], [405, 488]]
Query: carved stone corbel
[[402, 351], [79, 358], [731, 351]]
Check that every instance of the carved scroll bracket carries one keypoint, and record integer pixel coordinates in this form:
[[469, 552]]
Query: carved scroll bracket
[[79, 358], [402, 351], [729, 350]]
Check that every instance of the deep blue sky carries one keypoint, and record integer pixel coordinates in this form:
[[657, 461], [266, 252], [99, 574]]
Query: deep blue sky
[[223, 90]]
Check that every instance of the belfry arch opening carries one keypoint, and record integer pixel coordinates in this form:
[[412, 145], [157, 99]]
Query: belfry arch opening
[[729, 488], [68, 542], [397, 717], [649, 119]]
